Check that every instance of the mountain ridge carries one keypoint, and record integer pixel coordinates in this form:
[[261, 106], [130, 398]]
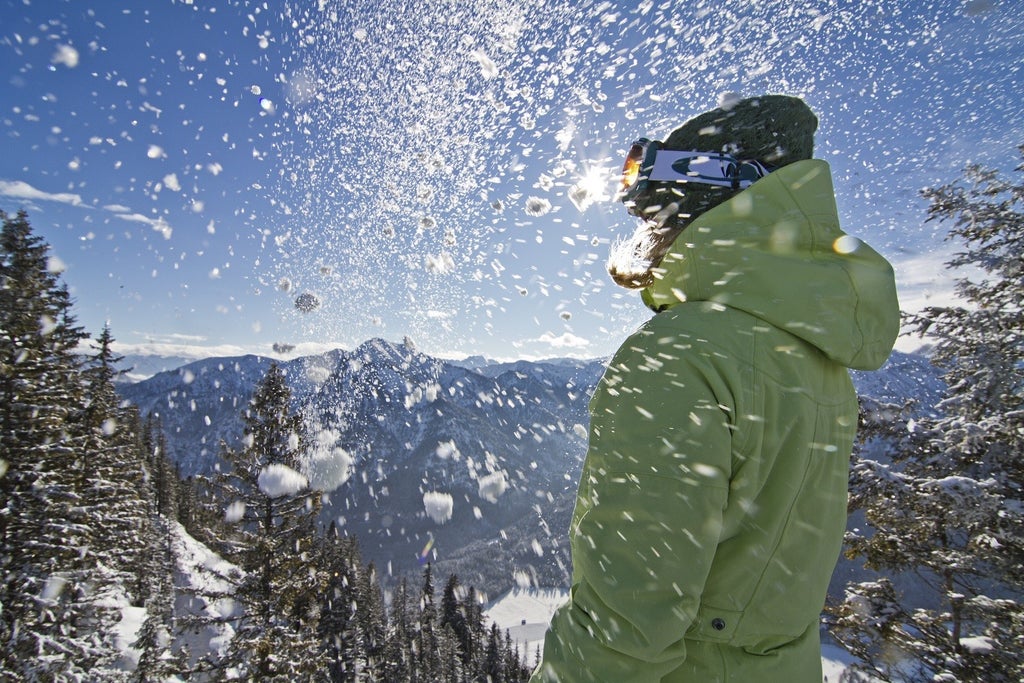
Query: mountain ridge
[[502, 443]]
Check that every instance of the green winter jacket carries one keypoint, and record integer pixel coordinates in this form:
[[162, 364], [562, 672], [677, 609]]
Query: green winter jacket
[[712, 503]]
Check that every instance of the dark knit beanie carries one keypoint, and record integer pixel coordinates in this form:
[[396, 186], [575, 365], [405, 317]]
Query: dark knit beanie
[[773, 129]]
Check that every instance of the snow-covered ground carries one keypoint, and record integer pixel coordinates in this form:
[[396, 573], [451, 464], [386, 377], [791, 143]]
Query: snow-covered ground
[[201, 574], [526, 613]]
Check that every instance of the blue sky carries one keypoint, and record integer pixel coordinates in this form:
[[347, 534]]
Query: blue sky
[[198, 166]]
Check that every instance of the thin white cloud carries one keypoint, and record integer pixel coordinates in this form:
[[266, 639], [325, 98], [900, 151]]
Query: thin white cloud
[[158, 224], [173, 338], [191, 346], [19, 189], [563, 341], [192, 351], [924, 280]]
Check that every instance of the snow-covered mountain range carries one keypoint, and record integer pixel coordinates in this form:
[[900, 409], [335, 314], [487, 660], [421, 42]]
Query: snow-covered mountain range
[[471, 464]]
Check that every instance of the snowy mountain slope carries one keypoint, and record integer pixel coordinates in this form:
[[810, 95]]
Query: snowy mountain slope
[[501, 444], [139, 367]]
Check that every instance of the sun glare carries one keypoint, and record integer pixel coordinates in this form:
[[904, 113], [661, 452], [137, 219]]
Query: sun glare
[[592, 186]]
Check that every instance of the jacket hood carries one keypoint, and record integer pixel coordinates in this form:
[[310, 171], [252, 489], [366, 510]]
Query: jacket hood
[[776, 251]]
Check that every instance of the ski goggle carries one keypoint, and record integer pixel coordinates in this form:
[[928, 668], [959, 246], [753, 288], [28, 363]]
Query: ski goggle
[[647, 162]]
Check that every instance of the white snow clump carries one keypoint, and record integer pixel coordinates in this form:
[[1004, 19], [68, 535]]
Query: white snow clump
[[491, 487], [438, 506], [66, 55], [278, 480], [447, 450], [488, 69], [329, 465], [234, 512], [440, 264]]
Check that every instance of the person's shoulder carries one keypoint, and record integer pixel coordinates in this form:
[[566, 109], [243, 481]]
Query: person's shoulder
[[701, 326], [706, 319]]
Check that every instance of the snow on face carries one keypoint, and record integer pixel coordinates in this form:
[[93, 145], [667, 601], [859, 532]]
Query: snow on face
[[278, 480]]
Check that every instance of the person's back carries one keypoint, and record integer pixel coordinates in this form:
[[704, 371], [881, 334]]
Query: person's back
[[712, 504]]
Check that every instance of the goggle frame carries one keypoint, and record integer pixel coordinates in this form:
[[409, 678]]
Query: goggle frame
[[647, 162]]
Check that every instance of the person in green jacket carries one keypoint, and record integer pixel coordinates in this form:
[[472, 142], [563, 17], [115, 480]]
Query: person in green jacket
[[712, 503]]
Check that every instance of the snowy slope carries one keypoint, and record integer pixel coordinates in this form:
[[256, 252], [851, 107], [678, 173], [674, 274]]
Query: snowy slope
[[204, 583]]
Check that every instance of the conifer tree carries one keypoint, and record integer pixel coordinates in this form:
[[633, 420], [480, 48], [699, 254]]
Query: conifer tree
[[949, 507], [398, 664], [54, 623], [370, 614], [453, 616], [493, 666], [275, 516], [426, 630], [514, 669], [164, 473], [157, 659], [116, 492], [337, 628], [476, 633], [449, 661]]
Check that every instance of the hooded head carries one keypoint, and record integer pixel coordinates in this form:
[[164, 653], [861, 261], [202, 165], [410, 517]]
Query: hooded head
[[775, 130]]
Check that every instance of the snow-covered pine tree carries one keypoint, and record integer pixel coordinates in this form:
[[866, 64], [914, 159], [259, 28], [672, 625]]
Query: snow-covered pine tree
[[370, 613], [453, 616], [514, 668], [116, 492], [493, 660], [949, 507], [163, 473], [157, 659], [476, 633], [275, 535], [450, 666], [398, 664], [427, 647], [340, 643], [52, 626]]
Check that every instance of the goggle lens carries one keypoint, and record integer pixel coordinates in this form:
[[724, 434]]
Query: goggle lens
[[631, 169]]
